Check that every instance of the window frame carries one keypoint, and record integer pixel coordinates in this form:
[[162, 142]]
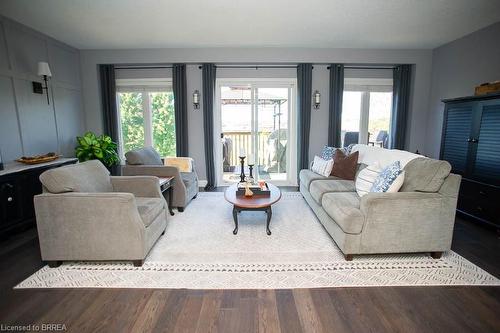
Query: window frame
[[145, 87], [366, 86]]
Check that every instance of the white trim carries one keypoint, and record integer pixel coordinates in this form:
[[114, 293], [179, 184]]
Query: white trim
[[254, 83], [202, 182]]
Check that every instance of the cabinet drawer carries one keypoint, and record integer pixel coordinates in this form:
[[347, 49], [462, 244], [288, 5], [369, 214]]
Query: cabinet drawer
[[480, 191], [480, 207]]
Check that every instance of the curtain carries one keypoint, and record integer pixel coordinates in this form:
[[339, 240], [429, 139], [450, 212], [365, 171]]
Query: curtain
[[400, 105], [304, 103], [108, 99], [180, 106], [208, 78], [335, 109]]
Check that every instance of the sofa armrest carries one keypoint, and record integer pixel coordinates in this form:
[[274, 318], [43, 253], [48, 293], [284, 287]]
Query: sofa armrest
[[89, 226], [413, 221], [139, 186]]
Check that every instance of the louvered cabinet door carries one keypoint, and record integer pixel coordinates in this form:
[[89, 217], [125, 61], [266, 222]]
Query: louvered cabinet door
[[486, 164], [457, 131]]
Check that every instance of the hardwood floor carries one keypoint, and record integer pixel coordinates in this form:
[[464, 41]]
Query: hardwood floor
[[386, 309]]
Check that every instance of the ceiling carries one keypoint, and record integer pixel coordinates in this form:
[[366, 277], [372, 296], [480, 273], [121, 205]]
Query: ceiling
[[120, 24]]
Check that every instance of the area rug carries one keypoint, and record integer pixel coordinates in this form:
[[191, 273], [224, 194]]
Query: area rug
[[199, 251]]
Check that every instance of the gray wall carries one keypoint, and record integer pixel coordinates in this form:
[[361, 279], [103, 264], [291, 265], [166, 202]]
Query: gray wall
[[28, 125], [458, 67], [422, 59]]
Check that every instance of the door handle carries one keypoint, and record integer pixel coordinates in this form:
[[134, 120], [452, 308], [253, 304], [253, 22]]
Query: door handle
[[469, 140], [475, 140]]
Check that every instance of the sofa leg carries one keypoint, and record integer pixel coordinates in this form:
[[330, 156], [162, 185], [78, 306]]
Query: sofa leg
[[54, 264], [436, 255], [163, 233], [180, 209], [195, 196], [138, 263], [348, 257]]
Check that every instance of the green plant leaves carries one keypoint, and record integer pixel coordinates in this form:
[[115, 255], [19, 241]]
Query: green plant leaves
[[102, 148]]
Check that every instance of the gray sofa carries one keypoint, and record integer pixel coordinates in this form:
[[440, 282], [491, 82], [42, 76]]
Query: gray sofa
[[418, 218], [84, 214], [146, 161]]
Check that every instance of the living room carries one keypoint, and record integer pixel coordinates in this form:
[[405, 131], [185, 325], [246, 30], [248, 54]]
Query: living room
[[333, 167]]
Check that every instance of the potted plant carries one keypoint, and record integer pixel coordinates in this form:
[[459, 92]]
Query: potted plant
[[93, 147]]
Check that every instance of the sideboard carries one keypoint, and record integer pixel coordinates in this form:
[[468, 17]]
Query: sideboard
[[18, 184]]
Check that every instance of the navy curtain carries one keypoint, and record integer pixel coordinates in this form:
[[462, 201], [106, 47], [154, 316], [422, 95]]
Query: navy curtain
[[304, 103], [335, 109], [208, 78], [181, 110], [108, 100], [400, 104]]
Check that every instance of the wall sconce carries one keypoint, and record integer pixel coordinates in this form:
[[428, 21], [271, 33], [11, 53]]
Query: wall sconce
[[196, 99], [316, 99], [43, 71]]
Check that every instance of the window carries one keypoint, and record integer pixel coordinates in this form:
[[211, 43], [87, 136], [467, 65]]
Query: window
[[366, 111], [146, 115]]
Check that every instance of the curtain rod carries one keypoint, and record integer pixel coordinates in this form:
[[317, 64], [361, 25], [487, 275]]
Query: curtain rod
[[254, 66], [143, 67], [366, 67]]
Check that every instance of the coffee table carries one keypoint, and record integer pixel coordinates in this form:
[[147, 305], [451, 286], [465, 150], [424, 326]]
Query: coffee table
[[254, 203]]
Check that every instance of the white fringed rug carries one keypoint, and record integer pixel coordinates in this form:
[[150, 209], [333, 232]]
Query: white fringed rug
[[199, 251]]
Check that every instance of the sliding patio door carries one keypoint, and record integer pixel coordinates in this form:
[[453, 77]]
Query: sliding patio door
[[256, 118]]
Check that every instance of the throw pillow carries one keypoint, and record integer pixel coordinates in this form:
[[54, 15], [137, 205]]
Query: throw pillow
[[327, 153], [366, 178], [386, 177], [321, 166], [344, 166], [397, 183]]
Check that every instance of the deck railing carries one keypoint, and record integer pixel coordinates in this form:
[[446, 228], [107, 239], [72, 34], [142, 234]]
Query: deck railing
[[243, 140]]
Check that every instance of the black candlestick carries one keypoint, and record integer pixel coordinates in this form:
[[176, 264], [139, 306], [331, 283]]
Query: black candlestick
[[242, 174], [250, 168]]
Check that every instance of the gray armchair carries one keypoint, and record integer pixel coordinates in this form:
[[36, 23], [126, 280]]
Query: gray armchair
[[147, 161], [84, 214]]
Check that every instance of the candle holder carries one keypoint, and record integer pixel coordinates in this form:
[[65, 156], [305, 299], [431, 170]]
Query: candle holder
[[242, 173], [250, 168]]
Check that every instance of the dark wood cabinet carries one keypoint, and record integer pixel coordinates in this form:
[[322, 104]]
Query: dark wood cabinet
[[17, 189], [471, 143]]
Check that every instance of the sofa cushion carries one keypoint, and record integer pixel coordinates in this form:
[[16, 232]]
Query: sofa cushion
[[306, 176], [425, 175], [319, 187], [149, 209], [89, 176], [343, 208], [143, 156]]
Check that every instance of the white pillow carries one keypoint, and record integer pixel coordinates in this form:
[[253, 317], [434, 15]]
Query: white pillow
[[397, 183], [366, 177], [321, 166]]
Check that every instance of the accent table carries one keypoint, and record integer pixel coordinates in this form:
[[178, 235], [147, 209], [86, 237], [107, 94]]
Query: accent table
[[254, 203], [166, 187]]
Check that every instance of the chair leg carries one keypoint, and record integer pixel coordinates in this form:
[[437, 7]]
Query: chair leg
[[348, 257], [180, 209], [138, 263], [54, 264], [436, 255]]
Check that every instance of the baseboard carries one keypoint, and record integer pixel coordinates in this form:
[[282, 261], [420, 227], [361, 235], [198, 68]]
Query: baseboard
[[202, 183]]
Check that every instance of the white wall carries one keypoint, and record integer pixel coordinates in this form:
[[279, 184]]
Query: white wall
[[458, 67], [422, 59], [28, 125]]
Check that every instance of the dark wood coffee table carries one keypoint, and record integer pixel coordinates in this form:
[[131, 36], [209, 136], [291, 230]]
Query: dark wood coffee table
[[254, 203]]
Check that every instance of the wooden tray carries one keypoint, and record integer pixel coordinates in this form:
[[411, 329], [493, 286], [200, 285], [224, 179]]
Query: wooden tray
[[39, 160]]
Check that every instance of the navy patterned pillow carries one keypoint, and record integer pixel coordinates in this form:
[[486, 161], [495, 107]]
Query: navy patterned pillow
[[386, 177], [328, 153]]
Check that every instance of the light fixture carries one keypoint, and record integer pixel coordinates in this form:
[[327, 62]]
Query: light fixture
[[196, 99], [45, 73], [316, 99]]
